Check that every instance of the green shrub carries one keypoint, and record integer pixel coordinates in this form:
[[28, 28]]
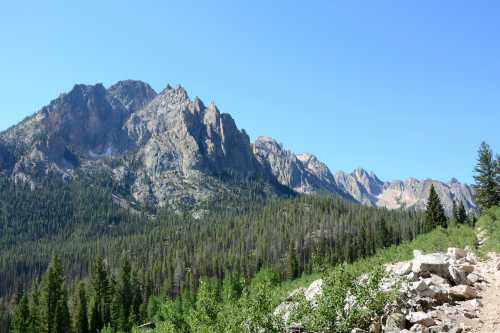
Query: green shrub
[[345, 302]]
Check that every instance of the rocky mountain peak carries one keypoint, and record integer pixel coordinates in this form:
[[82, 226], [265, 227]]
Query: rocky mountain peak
[[132, 94]]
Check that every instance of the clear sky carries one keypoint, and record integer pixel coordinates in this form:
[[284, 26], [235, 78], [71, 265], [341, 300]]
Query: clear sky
[[403, 88]]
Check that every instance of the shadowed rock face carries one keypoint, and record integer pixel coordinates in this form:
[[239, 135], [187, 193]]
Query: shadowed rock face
[[167, 149]]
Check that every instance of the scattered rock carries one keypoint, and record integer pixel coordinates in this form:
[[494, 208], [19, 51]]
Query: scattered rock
[[473, 278], [456, 253], [419, 328], [313, 290], [462, 292], [434, 263], [467, 268], [457, 275], [420, 317], [395, 322]]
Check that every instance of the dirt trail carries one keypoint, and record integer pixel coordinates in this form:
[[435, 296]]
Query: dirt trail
[[489, 314], [488, 320]]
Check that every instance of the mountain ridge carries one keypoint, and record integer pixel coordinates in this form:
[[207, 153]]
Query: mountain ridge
[[167, 149]]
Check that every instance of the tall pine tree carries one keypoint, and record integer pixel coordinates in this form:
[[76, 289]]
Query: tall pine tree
[[22, 319], [101, 307], [292, 262], [497, 180], [461, 216], [486, 186], [124, 294], [55, 313], [434, 214], [81, 315]]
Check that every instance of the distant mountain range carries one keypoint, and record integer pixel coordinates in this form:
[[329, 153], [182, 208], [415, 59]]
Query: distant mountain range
[[165, 149]]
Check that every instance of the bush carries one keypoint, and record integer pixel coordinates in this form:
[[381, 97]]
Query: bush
[[345, 302]]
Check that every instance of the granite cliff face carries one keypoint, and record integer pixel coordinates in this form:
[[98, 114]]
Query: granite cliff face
[[182, 146], [168, 149]]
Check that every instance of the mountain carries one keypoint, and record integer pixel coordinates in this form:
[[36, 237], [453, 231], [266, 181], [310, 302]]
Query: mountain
[[304, 173], [409, 193], [161, 149], [166, 149]]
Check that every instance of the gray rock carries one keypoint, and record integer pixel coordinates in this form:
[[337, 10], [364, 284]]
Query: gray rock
[[473, 278], [462, 292], [434, 263], [395, 322], [458, 275], [421, 318], [456, 253], [419, 328]]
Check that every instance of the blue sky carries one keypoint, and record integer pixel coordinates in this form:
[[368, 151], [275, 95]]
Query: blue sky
[[403, 88]]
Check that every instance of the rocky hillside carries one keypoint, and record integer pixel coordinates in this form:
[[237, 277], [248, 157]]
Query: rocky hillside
[[168, 149], [438, 292]]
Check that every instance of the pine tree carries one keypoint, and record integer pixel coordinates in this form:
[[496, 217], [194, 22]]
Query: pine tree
[[292, 263], [497, 180], [486, 186], [22, 319], [454, 211], [35, 310], [55, 313], [101, 307], [434, 214], [81, 318], [461, 216], [125, 297], [94, 322]]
